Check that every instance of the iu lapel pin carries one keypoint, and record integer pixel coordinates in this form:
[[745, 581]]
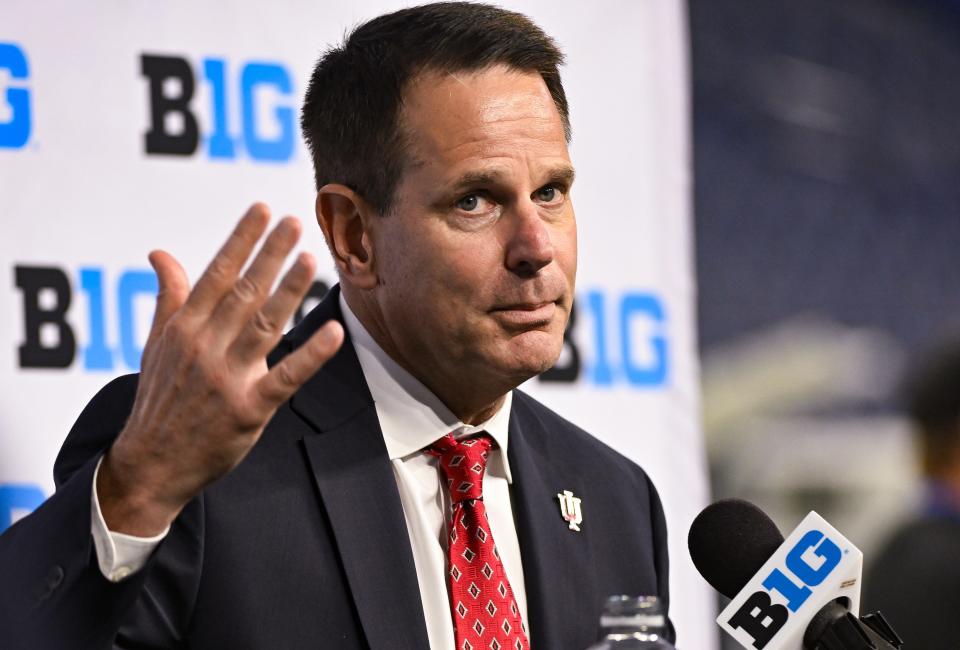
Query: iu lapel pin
[[570, 509]]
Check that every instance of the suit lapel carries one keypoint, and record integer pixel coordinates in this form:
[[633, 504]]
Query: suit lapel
[[561, 588], [352, 472]]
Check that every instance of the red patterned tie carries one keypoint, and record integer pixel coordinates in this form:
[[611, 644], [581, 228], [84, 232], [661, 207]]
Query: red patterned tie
[[485, 613]]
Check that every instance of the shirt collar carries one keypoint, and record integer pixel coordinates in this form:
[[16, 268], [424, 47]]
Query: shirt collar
[[411, 416]]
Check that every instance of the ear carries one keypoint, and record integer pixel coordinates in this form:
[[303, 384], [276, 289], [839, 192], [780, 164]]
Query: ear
[[345, 219]]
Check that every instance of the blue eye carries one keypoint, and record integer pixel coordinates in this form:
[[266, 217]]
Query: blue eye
[[468, 203], [550, 194], [547, 193]]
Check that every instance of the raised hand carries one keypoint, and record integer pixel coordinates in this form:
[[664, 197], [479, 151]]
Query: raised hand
[[205, 392]]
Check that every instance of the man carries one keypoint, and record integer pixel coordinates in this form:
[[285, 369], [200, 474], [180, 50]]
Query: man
[[317, 495], [915, 579]]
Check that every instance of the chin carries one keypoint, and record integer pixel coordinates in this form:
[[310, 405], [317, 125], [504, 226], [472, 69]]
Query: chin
[[529, 358]]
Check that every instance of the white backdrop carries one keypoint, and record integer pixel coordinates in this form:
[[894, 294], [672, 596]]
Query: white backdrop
[[83, 201]]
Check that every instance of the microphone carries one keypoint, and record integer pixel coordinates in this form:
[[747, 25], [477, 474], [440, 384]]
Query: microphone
[[801, 593]]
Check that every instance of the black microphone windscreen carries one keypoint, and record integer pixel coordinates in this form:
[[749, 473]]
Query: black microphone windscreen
[[729, 541]]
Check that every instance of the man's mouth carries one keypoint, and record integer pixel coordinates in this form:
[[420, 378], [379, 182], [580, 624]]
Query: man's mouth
[[526, 314]]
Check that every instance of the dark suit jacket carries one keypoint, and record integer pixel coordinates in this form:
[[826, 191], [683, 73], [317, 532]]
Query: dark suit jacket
[[304, 544]]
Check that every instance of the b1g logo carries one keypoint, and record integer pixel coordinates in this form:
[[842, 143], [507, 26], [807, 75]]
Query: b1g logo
[[15, 118], [49, 339], [808, 564], [627, 334], [260, 95], [117, 309]]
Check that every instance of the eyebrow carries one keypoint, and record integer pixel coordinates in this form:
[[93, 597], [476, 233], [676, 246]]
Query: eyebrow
[[559, 174]]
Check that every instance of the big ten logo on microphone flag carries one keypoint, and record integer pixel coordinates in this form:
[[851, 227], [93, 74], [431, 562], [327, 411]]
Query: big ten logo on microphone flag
[[813, 566], [155, 125]]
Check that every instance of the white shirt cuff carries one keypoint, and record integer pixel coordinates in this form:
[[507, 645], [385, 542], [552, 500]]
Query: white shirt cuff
[[118, 555]]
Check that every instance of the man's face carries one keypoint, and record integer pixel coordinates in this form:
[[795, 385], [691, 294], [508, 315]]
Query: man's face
[[476, 262]]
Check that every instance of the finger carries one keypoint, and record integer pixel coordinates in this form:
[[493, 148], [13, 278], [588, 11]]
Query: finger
[[263, 329], [173, 286], [222, 271], [293, 370], [249, 292]]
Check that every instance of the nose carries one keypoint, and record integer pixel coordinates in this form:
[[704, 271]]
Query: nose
[[530, 247]]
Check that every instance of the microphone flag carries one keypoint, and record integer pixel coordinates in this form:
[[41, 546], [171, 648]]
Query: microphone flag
[[813, 566]]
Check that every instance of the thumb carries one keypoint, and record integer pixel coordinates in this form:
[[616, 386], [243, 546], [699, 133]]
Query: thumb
[[174, 286]]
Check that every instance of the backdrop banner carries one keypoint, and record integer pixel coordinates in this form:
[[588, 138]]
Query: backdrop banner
[[140, 125]]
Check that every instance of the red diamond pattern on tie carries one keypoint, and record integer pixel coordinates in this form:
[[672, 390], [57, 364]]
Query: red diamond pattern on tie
[[485, 613]]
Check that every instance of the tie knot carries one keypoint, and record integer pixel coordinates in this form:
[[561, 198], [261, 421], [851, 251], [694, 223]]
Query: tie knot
[[463, 463]]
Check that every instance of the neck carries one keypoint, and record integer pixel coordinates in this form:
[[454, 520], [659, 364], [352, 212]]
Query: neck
[[472, 403], [475, 414]]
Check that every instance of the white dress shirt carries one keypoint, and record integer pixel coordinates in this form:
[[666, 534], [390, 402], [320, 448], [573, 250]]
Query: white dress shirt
[[411, 418]]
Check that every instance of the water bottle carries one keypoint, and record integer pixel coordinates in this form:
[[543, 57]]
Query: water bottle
[[633, 623]]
